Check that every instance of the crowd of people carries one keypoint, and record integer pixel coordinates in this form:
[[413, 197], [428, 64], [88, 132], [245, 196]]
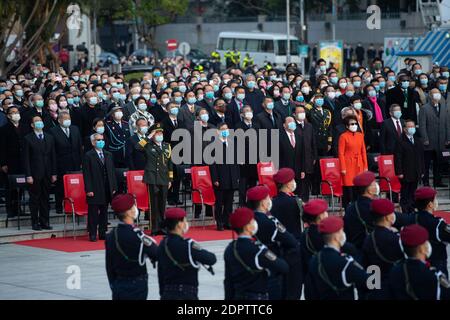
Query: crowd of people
[[58, 122]]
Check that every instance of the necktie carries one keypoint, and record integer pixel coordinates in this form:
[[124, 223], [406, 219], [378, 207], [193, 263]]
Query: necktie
[[41, 136], [175, 123], [412, 140], [102, 158], [67, 132], [399, 129], [272, 118], [292, 140]]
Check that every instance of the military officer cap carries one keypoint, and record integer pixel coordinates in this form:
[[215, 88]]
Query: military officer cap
[[425, 193], [156, 128], [175, 213], [257, 193], [241, 217], [364, 179], [331, 225], [115, 108], [284, 176], [382, 207], [122, 203], [413, 235], [315, 207]]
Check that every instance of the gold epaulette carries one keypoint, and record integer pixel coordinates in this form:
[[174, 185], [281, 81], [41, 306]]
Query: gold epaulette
[[143, 143]]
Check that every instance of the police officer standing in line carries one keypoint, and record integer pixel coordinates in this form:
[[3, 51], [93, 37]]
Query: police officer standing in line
[[180, 259], [439, 231], [127, 248], [117, 134], [311, 241], [382, 246], [248, 263], [158, 173], [286, 208], [272, 234], [333, 275], [412, 278]]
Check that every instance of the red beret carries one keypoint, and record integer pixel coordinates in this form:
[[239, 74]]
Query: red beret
[[331, 225], [284, 175], [364, 179], [257, 193], [315, 207], [122, 203], [175, 213], [241, 217], [425, 193], [382, 207], [414, 235]]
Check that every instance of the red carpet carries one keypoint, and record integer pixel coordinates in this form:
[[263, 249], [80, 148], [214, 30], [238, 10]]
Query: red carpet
[[81, 244]]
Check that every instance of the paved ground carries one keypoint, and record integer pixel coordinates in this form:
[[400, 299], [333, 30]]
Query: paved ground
[[40, 274]]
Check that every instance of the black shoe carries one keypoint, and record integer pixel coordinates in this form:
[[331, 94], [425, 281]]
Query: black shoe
[[36, 227], [102, 237], [219, 227], [227, 227], [92, 239], [46, 227]]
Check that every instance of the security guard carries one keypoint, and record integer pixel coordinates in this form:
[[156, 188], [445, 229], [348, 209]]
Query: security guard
[[248, 61], [426, 204], [158, 173], [286, 208], [126, 250], [248, 263], [412, 278], [382, 246], [117, 133], [179, 259], [333, 275], [272, 234], [228, 59], [311, 241], [215, 61], [236, 58]]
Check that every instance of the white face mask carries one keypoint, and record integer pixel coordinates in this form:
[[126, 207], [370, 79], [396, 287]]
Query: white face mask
[[331, 95], [377, 189], [186, 228], [353, 128], [294, 186], [305, 90], [437, 96], [301, 116], [15, 117], [343, 239], [135, 213], [394, 219], [429, 250], [118, 115], [248, 115], [435, 204], [255, 227], [269, 206]]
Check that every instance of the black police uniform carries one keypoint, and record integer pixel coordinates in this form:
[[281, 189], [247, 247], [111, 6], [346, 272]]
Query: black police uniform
[[412, 279], [283, 244], [382, 248], [334, 276], [126, 249], [439, 232], [247, 268], [358, 221], [311, 242], [116, 139], [286, 208], [179, 260]]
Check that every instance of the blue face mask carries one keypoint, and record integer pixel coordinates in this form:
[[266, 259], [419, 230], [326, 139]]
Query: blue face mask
[[116, 95], [443, 87], [174, 111], [397, 114], [178, 99], [319, 102], [382, 84], [228, 95], [357, 84], [270, 105], [391, 78], [411, 131], [182, 89], [216, 88], [225, 133], [349, 94], [424, 82], [100, 144], [159, 138], [417, 71], [93, 101], [445, 74], [39, 103], [300, 99], [251, 84], [192, 100], [372, 93], [292, 126], [100, 130], [377, 88], [209, 95], [204, 117], [70, 100], [405, 84], [2, 89], [39, 125], [157, 74], [153, 100], [76, 100], [334, 80]]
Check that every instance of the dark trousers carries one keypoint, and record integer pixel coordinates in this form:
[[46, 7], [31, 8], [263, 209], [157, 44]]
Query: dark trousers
[[407, 196], [158, 199], [39, 207], [174, 191], [224, 206], [198, 210], [245, 183], [275, 286], [293, 280], [304, 187], [97, 219], [59, 193], [347, 197], [435, 157], [130, 289], [12, 200], [317, 176]]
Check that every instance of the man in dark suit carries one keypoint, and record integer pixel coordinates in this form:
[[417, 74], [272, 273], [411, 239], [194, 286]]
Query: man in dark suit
[[285, 106], [248, 171], [86, 114], [135, 158], [234, 107], [40, 170], [409, 164], [269, 120], [225, 178], [100, 185], [219, 114], [305, 132], [291, 149], [405, 96], [68, 153], [391, 130], [11, 146], [253, 96], [36, 109]]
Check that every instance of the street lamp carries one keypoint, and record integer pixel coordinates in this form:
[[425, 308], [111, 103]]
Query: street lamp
[[288, 23]]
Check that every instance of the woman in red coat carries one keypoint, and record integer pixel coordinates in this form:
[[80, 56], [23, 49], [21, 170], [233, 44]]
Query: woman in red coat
[[352, 156]]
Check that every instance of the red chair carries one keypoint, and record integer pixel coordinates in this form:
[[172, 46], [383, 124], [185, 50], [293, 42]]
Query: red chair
[[202, 189], [74, 201], [139, 190], [331, 184], [386, 173], [266, 171]]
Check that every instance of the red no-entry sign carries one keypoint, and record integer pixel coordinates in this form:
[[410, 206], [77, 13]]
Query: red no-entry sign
[[172, 44]]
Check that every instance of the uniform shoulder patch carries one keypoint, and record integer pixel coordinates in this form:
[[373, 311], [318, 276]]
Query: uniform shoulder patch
[[143, 143], [281, 228], [196, 246], [270, 255], [447, 228]]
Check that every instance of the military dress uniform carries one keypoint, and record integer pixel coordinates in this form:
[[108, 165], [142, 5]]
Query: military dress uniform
[[158, 173], [179, 261], [117, 135]]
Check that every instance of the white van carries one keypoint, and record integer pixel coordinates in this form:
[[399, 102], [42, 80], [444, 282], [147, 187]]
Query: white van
[[260, 46]]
